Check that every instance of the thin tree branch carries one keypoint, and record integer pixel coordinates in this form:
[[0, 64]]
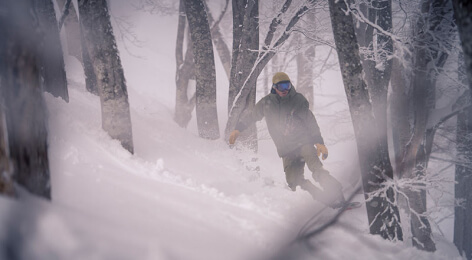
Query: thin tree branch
[[275, 23], [264, 58], [308, 235]]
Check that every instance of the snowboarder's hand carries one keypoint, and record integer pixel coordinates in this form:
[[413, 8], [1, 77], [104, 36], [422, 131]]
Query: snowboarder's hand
[[321, 149], [233, 136]]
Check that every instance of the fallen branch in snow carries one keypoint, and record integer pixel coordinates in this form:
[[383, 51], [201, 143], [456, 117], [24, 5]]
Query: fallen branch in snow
[[305, 235]]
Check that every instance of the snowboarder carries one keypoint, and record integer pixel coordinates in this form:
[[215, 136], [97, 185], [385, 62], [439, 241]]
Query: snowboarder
[[295, 132]]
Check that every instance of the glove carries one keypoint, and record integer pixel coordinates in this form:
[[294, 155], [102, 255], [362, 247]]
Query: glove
[[321, 149], [233, 136]]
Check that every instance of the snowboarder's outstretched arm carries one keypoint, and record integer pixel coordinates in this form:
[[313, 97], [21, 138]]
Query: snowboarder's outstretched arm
[[256, 115]]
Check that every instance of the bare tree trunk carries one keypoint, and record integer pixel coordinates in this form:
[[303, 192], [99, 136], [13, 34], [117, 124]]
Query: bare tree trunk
[[51, 58], [207, 116], [463, 187], [378, 66], [72, 30], [6, 170], [463, 177], [185, 70], [103, 52], [382, 212], [463, 213], [463, 17], [239, 16], [91, 83], [25, 110], [365, 39], [245, 47]]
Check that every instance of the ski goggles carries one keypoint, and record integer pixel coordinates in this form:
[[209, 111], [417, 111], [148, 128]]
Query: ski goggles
[[283, 86]]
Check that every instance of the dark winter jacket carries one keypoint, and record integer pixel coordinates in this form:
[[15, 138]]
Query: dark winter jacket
[[290, 122]]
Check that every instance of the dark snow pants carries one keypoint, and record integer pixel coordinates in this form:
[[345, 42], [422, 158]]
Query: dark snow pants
[[294, 165]]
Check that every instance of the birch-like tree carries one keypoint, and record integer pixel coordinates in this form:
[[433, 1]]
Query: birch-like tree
[[100, 46]]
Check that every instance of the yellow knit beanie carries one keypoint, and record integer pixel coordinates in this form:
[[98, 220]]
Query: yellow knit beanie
[[279, 77]]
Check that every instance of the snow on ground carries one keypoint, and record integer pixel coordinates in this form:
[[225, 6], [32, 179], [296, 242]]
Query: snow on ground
[[178, 196]]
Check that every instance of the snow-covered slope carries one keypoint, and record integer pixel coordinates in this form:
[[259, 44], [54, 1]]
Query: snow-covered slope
[[178, 196]]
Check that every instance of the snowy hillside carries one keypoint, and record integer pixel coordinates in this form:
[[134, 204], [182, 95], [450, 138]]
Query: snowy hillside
[[178, 196]]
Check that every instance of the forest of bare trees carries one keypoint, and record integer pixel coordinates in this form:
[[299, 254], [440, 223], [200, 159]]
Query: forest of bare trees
[[406, 67], [392, 59], [32, 62]]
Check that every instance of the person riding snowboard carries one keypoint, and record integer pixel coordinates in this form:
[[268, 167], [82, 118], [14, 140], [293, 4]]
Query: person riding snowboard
[[295, 132]]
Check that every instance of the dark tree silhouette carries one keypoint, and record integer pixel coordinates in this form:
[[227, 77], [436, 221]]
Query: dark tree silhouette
[[22, 99]]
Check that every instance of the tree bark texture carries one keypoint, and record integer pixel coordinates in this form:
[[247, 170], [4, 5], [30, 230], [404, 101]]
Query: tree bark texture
[[377, 63], [206, 111], [382, 212], [72, 30], [463, 17], [103, 52], [185, 70], [238, 19], [90, 78], [245, 53], [51, 57], [25, 109], [463, 177]]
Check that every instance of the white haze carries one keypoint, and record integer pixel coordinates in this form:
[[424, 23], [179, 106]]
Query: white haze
[[179, 196]]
